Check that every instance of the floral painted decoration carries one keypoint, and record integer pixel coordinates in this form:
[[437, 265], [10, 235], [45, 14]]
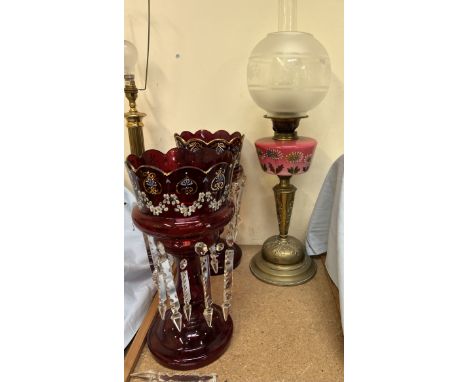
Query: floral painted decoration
[[220, 141], [180, 182], [285, 158]]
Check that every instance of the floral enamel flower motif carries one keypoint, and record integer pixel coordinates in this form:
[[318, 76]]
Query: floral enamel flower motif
[[295, 157], [172, 199], [274, 154]]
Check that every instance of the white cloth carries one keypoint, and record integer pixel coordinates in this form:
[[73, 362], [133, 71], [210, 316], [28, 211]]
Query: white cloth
[[138, 289], [326, 228]]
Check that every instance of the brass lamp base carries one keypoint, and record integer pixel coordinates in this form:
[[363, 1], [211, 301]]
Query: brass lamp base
[[282, 261]]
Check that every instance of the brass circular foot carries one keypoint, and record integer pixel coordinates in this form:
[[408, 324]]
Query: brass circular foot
[[282, 261]]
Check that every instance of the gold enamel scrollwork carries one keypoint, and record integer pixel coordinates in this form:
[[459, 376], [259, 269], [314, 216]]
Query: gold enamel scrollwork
[[151, 184], [220, 147], [218, 181], [186, 186], [194, 146]]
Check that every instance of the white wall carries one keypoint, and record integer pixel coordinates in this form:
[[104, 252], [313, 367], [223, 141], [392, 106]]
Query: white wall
[[197, 80]]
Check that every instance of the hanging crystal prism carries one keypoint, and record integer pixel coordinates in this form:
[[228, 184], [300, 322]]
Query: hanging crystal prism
[[149, 251], [214, 249], [228, 268], [186, 289], [163, 297], [166, 270], [227, 293], [201, 249], [152, 253], [158, 277], [237, 190]]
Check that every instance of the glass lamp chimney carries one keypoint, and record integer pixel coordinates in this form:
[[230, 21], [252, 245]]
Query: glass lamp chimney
[[287, 15]]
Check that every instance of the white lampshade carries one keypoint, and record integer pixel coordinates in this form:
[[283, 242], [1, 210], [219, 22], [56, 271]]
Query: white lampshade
[[288, 73], [130, 57]]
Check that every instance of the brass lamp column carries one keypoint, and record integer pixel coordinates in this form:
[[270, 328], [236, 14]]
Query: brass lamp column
[[282, 260], [134, 117]]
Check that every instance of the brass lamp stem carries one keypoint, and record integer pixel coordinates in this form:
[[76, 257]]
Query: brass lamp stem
[[284, 198], [134, 117], [135, 137]]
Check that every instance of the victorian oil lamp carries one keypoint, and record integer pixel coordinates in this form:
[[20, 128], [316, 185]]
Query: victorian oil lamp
[[220, 141], [183, 204], [288, 74]]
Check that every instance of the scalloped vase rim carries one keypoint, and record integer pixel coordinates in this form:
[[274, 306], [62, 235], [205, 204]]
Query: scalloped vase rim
[[167, 173], [225, 158], [230, 137]]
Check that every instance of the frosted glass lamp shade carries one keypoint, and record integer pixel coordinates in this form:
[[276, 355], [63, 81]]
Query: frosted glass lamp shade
[[288, 73], [130, 57]]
